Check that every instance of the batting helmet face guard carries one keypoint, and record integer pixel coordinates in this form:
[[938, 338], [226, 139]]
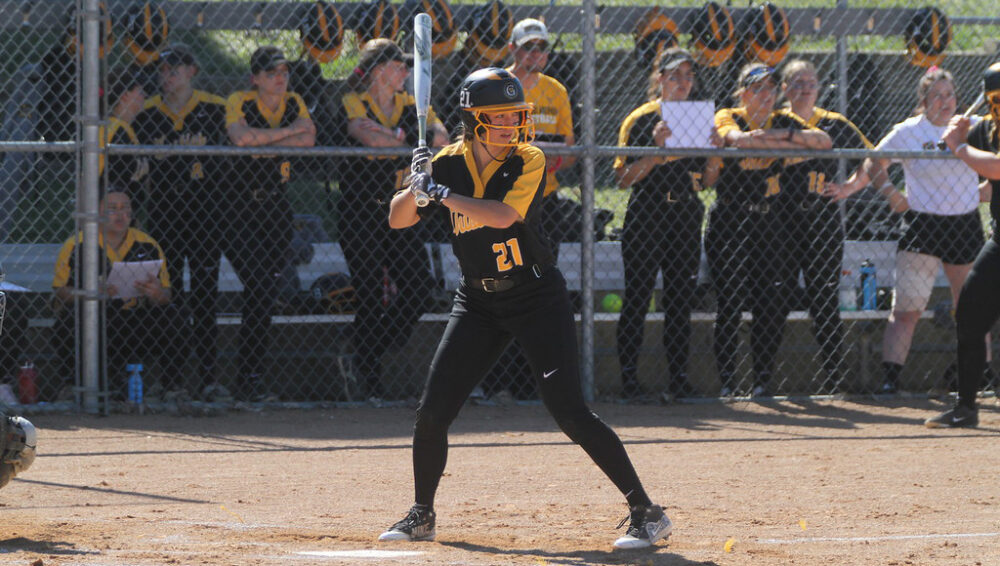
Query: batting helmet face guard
[[490, 34], [444, 34], [74, 45], [18, 439], [713, 35], [654, 33], [927, 36], [494, 90], [379, 18], [146, 32], [767, 34], [322, 32]]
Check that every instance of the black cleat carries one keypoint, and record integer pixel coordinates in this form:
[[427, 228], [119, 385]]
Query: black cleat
[[417, 525], [958, 416], [647, 525]]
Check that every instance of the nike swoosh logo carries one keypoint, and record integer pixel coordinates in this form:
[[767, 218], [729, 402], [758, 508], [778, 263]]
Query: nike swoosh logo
[[958, 419], [140, 255], [548, 373]]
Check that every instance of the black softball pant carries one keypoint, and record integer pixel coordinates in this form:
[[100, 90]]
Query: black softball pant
[[746, 257], [538, 314], [374, 251], [660, 236], [978, 309], [816, 249], [187, 230], [256, 241]]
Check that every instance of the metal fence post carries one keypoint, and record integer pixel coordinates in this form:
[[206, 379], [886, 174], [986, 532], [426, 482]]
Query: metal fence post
[[589, 42], [87, 205]]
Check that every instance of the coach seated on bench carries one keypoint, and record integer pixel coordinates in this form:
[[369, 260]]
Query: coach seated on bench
[[139, 326]]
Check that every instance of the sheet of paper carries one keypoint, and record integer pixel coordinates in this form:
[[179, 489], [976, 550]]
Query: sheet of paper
[[125, 274], [690, 122]]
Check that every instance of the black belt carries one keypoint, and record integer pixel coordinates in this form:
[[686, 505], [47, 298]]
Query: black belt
[[756, 207], [812, 203], [679, 196], [501, 284], [262, 195]]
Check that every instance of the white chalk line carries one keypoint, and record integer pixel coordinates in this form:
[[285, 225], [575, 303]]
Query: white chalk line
[[873, 539]]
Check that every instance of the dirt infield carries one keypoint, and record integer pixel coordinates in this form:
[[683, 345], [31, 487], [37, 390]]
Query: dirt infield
[[809, 483]]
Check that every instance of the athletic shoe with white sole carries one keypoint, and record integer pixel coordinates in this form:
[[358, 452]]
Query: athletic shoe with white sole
[[417, 525], [958, 416], [647, 524]]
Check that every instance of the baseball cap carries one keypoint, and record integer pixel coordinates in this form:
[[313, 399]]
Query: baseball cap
[[178, 54], [527, 30], [380, 50], [756, 74], [673, 58], [266, 58]]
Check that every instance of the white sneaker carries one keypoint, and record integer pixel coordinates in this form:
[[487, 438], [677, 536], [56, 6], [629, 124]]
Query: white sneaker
[[648, 524]]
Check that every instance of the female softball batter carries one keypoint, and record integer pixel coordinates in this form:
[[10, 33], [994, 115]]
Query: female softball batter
[[491, 184]]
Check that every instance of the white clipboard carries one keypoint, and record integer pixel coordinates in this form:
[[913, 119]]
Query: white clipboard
[[125, 274], [690, 122]]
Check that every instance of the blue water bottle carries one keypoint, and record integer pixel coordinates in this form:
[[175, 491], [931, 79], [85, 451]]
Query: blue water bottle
[[134, 383], [869, 286]]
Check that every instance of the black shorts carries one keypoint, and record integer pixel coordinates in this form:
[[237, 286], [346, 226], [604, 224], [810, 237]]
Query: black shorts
[[955, 239]]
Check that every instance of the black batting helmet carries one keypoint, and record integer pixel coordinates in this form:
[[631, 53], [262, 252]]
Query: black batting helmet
[[991, 79], [379, 18], [713, 34], [146, 31], [74, 45], [927, 36], [322, 32], [335, 293], [444, 34], [494, 90], [489, 37], [766, 34], [654, 32]]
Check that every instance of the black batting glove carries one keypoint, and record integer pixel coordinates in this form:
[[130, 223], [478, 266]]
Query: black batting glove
[[421, 162], [437, 192]]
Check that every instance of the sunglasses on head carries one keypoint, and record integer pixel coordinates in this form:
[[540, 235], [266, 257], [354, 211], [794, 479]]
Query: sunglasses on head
[[757, 75]]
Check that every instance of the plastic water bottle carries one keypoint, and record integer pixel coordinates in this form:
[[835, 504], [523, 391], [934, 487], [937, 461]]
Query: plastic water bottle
[[134, 384], [27, 384], [869, 286], [847, 295]]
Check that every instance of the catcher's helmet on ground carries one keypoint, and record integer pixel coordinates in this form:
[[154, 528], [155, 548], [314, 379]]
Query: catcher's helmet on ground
[[713, 34], [489, 35], [146, 32], [378, 18], [766, 34], [322, 32], [654, 32], [444, 34], [74, 45], [17, 446], [927, 35], [494, 90], [334, 292]]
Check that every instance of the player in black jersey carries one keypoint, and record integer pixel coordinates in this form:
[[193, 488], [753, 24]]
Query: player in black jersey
[[662, 230], [979, 302], [257, 217], [745, 240], [182, 204], [813, 221], [490, 184]]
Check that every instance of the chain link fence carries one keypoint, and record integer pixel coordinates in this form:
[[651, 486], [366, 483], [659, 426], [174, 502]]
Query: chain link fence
[[698, 270]]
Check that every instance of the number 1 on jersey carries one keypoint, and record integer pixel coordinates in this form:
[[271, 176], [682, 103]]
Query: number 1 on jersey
[[508, 254]]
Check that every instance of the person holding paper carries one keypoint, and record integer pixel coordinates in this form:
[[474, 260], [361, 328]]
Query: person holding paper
[[814, 220], [746, 240], [138, 328], [662, 228]]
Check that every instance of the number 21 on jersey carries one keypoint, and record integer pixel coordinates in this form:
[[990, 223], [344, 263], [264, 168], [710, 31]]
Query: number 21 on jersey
[[508, 254]]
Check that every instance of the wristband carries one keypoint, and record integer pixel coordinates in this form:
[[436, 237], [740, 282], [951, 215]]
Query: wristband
[[960, 146]]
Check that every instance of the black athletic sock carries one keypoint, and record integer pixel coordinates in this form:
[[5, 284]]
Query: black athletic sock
[[891, 371]]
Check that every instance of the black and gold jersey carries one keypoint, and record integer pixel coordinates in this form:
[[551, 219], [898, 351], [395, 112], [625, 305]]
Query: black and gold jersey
[[202, 121], [804, 175], [749, 179], [371, 179], [986, 136], [123, 171], [137, 246], [677, 174], [262, 172], [518, 181]]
